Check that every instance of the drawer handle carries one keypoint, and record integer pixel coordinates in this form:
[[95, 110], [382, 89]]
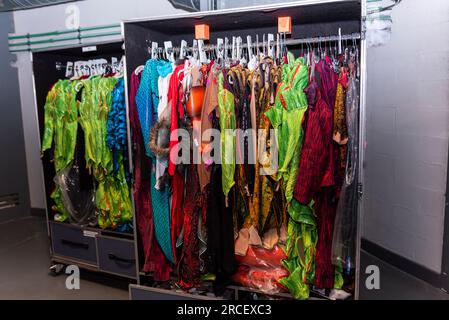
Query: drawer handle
[[114, 257], [75, 244]]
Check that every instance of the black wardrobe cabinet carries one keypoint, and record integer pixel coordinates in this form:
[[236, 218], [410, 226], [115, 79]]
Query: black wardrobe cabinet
[[310, 18], [90, 248]]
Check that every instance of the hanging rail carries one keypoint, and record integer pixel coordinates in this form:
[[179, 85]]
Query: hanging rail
[[288, 42]]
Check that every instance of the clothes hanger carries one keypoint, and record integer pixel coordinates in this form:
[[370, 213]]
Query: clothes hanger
[[194, 57], [88, 74], [270, 46], [264, 45], [168, 51], [76, 70], [69, 69], [240, 54], [227, 57], [234, 49], [108, 72], [154, 50], [251, 56], [202, 53], [120, 68], [257, 45], [220, 51], [139, 69], [96, 68], [85, 70], [278, 48], [182, 51], [284, 48], [326, 53]]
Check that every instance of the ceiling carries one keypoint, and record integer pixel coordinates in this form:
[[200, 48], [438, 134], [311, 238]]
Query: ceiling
[[10, 5]]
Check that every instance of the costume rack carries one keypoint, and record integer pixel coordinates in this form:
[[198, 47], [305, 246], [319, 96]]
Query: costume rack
[[88, 247], [313, 23]]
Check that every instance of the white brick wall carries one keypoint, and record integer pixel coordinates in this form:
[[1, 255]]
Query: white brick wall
[[408, 134]]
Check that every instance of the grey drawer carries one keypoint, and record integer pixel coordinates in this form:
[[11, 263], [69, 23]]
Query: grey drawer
[[117, 256], [70, 241]]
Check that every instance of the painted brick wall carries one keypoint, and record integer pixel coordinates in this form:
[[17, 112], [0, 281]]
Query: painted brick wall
[[407, 134], [92, 13]]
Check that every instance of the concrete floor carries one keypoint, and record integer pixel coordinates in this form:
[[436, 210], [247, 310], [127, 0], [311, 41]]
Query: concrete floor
[[24, 273], [24, 267], [396, 284]]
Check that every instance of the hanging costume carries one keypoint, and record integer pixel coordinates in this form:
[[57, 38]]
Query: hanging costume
[[112, 195], [75, 184], [177, 183], [154, 259], [316, 177], [63, 112], [60, 123], [209, 105], [227, 127], [147, 99], [116, 137], [244, 176], [286, 116]]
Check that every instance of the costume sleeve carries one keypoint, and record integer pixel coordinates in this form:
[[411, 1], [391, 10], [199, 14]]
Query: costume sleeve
[[49, 120]]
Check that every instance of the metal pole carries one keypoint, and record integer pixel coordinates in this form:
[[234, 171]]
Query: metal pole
[[289, 42], [362, 137]]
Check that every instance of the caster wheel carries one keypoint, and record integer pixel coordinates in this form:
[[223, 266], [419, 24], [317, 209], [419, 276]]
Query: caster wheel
[[57, 269]]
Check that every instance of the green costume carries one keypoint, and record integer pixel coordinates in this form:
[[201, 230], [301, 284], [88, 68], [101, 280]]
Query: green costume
[[286, 117], [60, 120], [227, 134], [112, 195], [62, 113]]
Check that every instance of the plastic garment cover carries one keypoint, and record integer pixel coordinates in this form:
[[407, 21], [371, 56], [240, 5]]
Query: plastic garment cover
[[261, 269], [343, 244], [265, 280], [79, 203], [262, 258]]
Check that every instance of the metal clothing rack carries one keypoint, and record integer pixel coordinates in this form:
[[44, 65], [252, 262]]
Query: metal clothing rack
[[88, 247]]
